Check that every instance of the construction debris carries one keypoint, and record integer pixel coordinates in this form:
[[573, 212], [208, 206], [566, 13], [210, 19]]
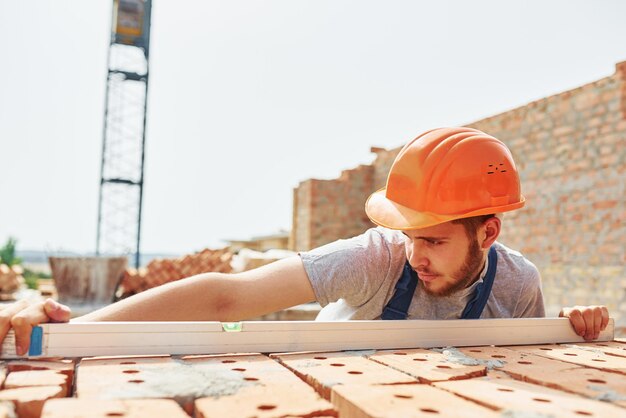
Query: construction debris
[[160, 271], [11, 280]]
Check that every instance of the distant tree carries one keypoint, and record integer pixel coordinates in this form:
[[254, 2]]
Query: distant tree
[[7, 253]]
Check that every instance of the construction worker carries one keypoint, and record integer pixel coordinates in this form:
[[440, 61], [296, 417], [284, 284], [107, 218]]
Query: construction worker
[[434, 255]]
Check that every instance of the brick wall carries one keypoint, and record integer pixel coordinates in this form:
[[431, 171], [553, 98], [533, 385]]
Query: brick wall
[[327, 210], [571, 149], [571, 152]]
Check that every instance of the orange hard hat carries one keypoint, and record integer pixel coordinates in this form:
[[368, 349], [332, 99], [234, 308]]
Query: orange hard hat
[[446, 174]]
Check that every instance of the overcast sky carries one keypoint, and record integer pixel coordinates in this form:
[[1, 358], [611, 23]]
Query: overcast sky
[[248, 98]]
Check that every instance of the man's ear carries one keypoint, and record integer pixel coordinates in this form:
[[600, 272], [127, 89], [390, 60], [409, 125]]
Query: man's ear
[[489, 232]]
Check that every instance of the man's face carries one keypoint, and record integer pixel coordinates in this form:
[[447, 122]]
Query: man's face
[[444, 257]]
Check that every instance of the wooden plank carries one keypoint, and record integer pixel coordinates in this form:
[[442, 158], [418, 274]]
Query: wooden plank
[[592, 383], [130, 338], [406, 401], [325, 370], [521, 400], [427, 366], [577, 355]]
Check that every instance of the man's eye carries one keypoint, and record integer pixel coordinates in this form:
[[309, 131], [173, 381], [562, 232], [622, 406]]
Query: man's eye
[[435, 242]]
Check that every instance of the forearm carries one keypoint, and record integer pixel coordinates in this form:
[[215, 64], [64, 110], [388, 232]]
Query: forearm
[[216, 296], [203, 297]]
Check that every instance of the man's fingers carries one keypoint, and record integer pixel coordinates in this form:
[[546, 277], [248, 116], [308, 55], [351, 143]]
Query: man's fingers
[[23, 322], [56, 312], [6, 313], [605, 318], [597, 321], [588, 318], [576, 319]]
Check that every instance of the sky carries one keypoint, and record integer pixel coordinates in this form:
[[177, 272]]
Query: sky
[[249, 98]]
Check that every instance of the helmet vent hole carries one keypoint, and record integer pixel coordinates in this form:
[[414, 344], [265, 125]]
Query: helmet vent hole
[[493, 168]]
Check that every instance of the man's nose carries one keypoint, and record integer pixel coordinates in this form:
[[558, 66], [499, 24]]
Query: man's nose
[[418, 257]]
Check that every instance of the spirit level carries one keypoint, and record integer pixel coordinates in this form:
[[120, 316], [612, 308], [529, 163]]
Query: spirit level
[[177, 338]]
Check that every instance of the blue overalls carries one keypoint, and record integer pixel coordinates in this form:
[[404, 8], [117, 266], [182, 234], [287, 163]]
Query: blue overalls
[[398, 306]]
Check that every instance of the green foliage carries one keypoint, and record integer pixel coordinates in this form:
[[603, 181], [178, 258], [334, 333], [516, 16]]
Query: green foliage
[[7, 253], [31, 277]]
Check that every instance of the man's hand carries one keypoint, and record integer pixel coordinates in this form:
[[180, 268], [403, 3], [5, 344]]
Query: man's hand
[[22, 316], [587, 321]]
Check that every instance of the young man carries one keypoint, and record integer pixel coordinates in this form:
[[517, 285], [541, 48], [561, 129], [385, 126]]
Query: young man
[[434, 255]]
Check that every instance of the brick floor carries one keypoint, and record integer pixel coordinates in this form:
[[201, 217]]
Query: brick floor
[[541, 380]]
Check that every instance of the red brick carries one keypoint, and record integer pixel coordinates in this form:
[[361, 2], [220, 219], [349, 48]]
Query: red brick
[[605, 204], [65, 366], [404, 401], [182, 380], [37, 378], [29, 401], [258, 387], [553, 373], [132, 408], [528, 398], [573, 354], [323, 370], [136, 377], [426, 365]]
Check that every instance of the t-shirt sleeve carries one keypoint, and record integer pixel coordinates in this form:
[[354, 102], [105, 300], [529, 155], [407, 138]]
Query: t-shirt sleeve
[[352, 269], [530, 303]]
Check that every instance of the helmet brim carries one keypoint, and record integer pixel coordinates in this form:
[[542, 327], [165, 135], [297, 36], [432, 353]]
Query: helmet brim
[[389, 214]]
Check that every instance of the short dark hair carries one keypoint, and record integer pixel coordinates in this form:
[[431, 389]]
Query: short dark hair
[[472, 224]]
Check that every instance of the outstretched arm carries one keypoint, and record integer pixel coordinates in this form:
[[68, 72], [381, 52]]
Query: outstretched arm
[[205, 297]]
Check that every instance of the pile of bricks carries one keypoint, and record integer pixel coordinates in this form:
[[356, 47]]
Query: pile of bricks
[[164, 270], [11, 280], [586, 379]]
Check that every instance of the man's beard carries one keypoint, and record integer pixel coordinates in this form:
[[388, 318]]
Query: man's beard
[[466, 275]]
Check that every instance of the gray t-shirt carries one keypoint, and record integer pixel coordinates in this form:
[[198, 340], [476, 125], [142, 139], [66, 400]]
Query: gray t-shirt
[[356, 277]]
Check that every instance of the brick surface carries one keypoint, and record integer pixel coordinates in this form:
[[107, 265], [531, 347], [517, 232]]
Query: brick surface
[[406, 401], [65, 366], [7, 409], [325, 370], [426, 365], [592, 383], [186, 379], [513, 381], [28, 402], [608, 347], [264, 389], [132, 408], [139, 377], [578, 355], [38, 378], [266, 401], [523, 400]]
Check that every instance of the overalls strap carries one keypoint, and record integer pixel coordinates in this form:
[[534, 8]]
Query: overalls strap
[[398, 305]]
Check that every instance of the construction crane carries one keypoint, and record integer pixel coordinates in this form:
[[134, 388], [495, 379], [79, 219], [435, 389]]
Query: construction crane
[[124, 137]]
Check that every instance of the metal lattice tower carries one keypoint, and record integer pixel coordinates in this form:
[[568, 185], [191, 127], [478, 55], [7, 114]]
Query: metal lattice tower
[[122, 173]]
